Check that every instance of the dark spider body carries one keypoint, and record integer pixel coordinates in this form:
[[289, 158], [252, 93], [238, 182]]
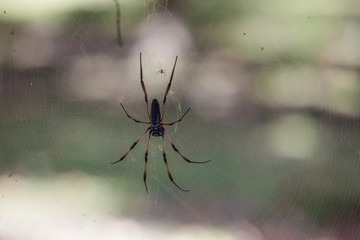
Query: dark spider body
[[155, 121], [156, 128]]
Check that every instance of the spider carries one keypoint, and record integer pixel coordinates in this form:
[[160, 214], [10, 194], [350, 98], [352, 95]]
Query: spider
[[162, 71], [156, 128]]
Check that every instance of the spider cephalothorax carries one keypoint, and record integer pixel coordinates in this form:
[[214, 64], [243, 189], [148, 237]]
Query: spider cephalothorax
[[156, 128]]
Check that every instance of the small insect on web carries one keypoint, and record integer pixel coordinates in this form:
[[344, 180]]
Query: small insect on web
[[156, 128]]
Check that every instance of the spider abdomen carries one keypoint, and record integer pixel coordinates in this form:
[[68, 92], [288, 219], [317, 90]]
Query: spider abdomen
[[155, 113]]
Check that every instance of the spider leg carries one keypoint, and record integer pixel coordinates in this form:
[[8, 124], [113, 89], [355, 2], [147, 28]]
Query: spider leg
[[143, 88], [176, 150], [132, 117], [167, 89], [169, 124], [146, 155], [167, 167], [132, 146], [118, 22]]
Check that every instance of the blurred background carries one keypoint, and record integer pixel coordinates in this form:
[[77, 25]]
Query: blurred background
[[274, 91]]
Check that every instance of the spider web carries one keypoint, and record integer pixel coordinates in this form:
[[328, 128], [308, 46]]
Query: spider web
[[273, 90]]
